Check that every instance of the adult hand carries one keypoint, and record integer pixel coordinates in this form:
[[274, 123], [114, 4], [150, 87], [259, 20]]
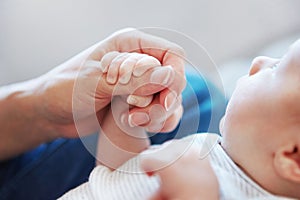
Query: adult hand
[[71, 95], [154, 118]]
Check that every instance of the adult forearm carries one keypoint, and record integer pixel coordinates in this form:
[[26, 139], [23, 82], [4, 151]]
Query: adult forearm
[[21, 126]]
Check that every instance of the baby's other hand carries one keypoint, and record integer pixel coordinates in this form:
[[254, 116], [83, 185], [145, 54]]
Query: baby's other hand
[[183, 173]]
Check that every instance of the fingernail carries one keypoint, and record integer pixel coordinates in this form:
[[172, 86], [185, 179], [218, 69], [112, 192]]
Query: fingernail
[[138, 118], [123, 118], [140, 71], [111, 79], [161, 75], [125, 79], [156, 127], [170, 100], [132, 100]]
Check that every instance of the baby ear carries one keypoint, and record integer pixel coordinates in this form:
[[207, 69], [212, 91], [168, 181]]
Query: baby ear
[[287, 162]]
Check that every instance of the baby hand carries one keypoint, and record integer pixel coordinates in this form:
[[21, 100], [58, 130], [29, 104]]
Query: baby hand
[[182, 173]]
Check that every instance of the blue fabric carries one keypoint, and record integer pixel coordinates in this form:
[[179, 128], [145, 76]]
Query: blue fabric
[[52, 169], [203, 104]]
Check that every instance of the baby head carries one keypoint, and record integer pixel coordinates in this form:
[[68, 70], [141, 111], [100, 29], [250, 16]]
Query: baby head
[[261, 126]]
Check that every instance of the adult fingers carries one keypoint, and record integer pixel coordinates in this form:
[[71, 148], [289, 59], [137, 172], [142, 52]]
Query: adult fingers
[[168, 53], [107, 59], [133, 40]]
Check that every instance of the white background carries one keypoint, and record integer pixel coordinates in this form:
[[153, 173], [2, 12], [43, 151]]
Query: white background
[[37, 35]]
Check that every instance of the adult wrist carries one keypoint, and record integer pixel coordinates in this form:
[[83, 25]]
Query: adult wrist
[[22, 128], [29, 106]]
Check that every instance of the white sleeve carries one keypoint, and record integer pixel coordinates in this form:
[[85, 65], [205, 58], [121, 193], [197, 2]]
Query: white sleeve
[[81, 192], [127, 182]]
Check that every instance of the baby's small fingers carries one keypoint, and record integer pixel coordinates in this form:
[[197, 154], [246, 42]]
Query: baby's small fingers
[[139, 101], [113, 69], [144, 64], [127, 67], [106, 60]]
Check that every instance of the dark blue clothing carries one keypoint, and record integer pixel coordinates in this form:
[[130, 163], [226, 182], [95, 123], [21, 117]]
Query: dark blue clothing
[[52, 169]]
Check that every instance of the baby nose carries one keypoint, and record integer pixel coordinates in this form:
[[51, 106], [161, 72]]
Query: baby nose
[[261, 62]]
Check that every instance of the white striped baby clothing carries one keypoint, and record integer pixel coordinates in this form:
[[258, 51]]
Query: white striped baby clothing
[[130, 183]]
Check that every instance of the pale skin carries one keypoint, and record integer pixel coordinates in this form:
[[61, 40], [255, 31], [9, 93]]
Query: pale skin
[[119, 141], [261, 126], [43, 109], [183, 173], [120, 138], [260, 129]]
